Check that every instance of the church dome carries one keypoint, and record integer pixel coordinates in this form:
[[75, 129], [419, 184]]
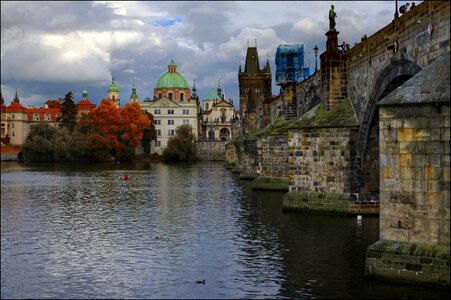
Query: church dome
[[172, 79], [113, 87]]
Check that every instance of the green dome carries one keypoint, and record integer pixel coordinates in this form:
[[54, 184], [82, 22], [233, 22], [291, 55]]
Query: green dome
[[172, 79], [213, 95], [113, 87]]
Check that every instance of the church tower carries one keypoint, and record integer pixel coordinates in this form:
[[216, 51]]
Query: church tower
[[16, 98], [255, 91], [134, 96], [113, 94]]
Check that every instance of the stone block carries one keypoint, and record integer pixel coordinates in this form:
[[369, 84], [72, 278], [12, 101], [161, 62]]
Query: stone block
[[422, 135], [405, 134], [437, 122], [416, 123], [405, 159], [445, 134], [435, 134]]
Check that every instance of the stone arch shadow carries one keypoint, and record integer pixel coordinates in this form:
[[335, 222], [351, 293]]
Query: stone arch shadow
[[393, 75]]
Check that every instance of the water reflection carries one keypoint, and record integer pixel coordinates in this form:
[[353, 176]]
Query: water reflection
[[82, 231]]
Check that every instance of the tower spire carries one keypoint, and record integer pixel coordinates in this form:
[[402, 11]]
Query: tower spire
[[218, 90], [134, 95], [84, 94], [16, 98]]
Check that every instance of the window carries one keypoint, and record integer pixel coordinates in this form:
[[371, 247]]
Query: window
[[47, 117], [206, 106], [157, 122], [170, 111], [36, 117], [157, 143], [157, 112], [186, 111], [185, 122], [171, 132], [170, 96], [170, 122], [158, 132], [12, 116], [159, 95], [182, 97], [12, 125], [14, 134]]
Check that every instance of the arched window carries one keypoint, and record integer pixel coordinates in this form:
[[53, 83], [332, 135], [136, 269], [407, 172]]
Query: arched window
[[224, 134], [182, 97]]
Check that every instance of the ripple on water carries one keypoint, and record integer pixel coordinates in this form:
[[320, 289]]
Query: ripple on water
[[81, 231]]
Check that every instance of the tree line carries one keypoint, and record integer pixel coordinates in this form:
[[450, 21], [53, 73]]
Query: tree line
[[105, 133]]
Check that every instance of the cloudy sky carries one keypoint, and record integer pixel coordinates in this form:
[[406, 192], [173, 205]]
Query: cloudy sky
[[50, 48]]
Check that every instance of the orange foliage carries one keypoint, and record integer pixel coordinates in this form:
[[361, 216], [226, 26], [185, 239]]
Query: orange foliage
[[133, 123], [118, 126], [53, 104]]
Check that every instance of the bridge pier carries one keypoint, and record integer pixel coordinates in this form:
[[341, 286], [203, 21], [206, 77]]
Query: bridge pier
[[415, 168]]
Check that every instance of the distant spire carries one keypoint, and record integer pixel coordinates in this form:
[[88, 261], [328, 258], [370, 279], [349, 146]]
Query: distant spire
[[84, 94], [194, 88], [223, 91], [239, 69], [134, 96], [113, 79], [2, 100], [218, 90], [267, 67], [255, 43], [16, 98]]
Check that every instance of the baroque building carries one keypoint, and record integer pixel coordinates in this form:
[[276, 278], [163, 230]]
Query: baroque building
[[171, 107], [16, 120], [255, 91], [218, 117]]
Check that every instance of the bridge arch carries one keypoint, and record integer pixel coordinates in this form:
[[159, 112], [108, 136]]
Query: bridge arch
[[393, 75]]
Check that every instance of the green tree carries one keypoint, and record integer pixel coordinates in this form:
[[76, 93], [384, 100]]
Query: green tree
[[181, 146], [47, 143], [68, 113], [149, 134]]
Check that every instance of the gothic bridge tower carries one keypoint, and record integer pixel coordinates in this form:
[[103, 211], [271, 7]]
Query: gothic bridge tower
[[255, 91]]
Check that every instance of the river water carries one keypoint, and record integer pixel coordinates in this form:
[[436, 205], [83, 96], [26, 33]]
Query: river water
[[82, 231]]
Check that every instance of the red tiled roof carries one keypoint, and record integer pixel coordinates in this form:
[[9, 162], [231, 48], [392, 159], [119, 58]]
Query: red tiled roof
[[85, 104], [42, 112]]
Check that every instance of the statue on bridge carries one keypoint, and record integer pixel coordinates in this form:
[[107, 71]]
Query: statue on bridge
[[332, 16]]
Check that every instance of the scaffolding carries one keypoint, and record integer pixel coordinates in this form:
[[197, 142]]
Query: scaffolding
[[292, 64]]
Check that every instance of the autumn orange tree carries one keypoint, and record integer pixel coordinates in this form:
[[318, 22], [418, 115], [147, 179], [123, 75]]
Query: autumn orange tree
[[121, 129], [133, 123]]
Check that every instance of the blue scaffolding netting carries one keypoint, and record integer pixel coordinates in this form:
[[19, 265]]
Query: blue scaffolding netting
[[292, 64]]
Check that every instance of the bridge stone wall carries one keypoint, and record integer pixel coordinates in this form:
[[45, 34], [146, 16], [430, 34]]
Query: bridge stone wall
[[320, 160], [211, 150], [272, 155], [371, 60], [308, 93]]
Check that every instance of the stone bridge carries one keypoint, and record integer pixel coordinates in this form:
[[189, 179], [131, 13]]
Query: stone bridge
[[395, 53], [369, 133], [362, 75]]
